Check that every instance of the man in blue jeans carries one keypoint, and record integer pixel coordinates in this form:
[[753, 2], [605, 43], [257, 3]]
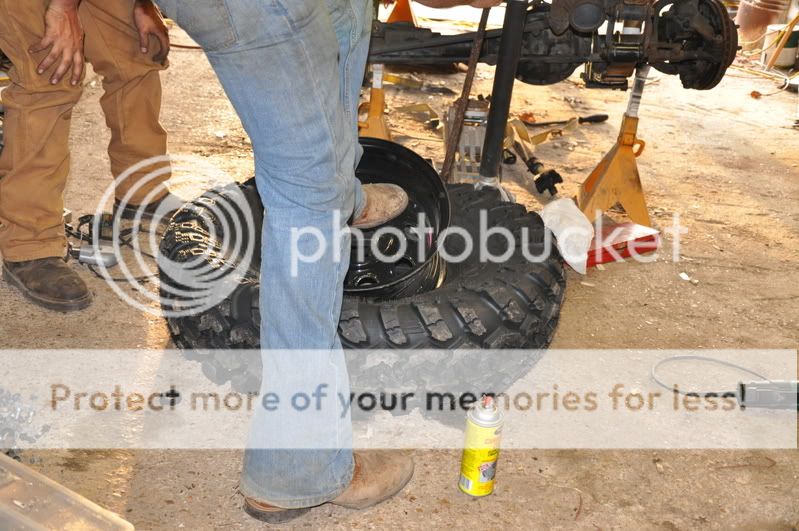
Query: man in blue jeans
[[293, 71]]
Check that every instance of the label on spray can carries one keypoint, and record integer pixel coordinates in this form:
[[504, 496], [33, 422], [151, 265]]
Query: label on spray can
[[481, 448]]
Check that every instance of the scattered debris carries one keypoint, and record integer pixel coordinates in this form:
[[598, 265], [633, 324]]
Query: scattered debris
[[405, 81], [573, 101], [16, 423], [685, 276], [418, 111], [422, 112], [591, 119], [438, 89], [412, 82], [546, 182]]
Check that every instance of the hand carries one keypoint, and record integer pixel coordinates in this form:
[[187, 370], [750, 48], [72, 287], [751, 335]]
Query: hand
[[63, 35], [148, 22]]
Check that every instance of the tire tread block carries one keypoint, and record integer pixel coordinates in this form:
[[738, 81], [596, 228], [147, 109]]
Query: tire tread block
[[434, 322], [391, 325]]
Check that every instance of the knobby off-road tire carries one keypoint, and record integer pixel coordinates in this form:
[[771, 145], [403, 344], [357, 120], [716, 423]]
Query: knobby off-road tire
[[469, 325], [492, 307]]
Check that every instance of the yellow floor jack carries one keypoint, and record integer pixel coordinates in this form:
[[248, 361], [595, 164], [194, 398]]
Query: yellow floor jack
[[616, 180]]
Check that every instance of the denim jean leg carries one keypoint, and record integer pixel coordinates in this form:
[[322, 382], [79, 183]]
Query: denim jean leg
[[277, 63], [352, 20]]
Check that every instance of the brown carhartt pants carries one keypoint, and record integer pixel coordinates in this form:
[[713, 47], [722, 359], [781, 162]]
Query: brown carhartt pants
[[35, 161]]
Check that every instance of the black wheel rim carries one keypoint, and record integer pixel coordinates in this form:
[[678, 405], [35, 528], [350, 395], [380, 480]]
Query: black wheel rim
[[419, 268]]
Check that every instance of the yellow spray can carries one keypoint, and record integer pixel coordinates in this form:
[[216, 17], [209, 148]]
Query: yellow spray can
[[481, 448]]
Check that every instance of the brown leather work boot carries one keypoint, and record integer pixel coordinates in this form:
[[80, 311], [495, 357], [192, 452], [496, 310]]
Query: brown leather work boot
[[378, 475], [384, 202], [49, 283]]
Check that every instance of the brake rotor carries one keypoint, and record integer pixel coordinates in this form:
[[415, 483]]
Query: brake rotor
[[697, 26]]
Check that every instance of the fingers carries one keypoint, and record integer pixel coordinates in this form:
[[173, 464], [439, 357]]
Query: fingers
[[77, 68], [163, 40], [144, 40], [63, 68], [50, 60], [161, 56], [63, 37], [42, 45], [75, 62]]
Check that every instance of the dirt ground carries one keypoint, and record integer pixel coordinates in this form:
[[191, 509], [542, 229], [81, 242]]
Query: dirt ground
[[727, 163]]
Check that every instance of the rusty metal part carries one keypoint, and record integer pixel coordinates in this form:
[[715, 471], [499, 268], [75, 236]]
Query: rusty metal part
[[694, 39], [582, 15], [463, 103]]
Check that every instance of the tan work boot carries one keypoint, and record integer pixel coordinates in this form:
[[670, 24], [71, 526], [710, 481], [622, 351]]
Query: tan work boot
[[378, 475], [384, 202], [50, 283]]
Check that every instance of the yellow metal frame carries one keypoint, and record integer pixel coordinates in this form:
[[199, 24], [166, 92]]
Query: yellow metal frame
[[375, 125], [616, 179]]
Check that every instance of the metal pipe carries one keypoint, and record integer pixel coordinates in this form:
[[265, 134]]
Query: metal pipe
[[510, 48]]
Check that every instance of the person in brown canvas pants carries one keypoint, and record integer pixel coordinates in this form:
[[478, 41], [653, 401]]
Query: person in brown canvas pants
[[127, 43]]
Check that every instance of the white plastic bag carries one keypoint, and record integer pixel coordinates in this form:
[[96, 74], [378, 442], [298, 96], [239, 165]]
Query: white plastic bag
[[572, 230]]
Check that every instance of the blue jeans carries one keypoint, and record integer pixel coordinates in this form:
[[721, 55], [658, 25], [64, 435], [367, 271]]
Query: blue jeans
[[293, 70]]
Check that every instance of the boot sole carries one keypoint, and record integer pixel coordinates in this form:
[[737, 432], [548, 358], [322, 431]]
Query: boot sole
[[274, 517], [49, 304], [377, 223]]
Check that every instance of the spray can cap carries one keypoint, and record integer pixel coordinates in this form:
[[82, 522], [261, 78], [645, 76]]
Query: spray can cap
[[486, 410]]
